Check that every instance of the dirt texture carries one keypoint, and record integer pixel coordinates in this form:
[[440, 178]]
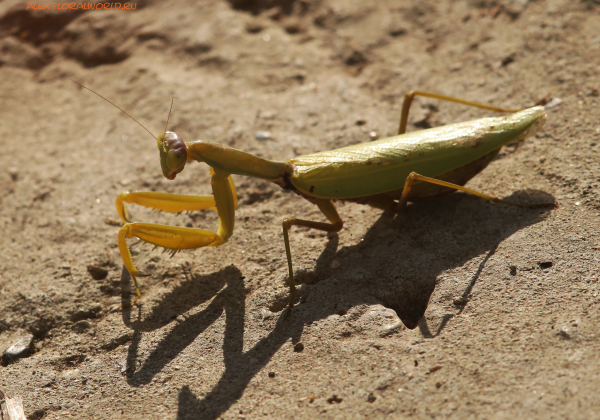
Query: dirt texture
[[504, 300]]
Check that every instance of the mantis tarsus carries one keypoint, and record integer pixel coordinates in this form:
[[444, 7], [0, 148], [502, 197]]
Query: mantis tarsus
[[384, 174]]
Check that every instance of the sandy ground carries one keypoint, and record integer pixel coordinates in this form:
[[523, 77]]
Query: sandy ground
[[509, 296]]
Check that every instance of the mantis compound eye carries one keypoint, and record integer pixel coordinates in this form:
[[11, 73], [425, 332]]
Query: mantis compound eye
[[173, 154], [175, 160]]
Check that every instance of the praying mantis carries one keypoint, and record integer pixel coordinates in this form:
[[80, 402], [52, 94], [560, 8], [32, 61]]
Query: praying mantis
[[384, 174]]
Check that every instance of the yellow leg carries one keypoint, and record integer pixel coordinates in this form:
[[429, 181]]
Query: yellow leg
[[416, 177], [174, 203], [174, 238], [329, 210], [408, 98], [169, 237]]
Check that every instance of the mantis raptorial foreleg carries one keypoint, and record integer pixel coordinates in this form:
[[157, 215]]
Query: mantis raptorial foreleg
[[177, 238], [329, 210], [174, 203]]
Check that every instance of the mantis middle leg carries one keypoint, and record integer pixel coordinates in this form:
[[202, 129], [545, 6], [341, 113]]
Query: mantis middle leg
[[329, 210]]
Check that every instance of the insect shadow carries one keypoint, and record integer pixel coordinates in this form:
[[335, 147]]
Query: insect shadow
[[396, 264]]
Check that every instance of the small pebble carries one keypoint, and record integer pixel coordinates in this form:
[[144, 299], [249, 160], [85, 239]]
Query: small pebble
[[373, 135], [564, 333], [434, 369], [14, 173], [271, 374], [268, 115], [254, 27], [384, 381], [554, 102], [292, 28], [298, 347], [334, 399], [396, 30], [263, 135], [460, 301], [265, 313], [97, 273], [19, 349], [81, 326], [390, 328]]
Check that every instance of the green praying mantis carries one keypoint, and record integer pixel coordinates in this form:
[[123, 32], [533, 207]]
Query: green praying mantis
[[384, 174]]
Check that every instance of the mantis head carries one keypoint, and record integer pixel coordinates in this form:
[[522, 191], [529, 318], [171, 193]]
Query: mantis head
[[173, 154]]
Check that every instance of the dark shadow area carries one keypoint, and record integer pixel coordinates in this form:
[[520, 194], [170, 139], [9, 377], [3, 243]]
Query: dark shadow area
[[196, 291], [460, 302], [256, 7], [464, 299], [396, 264], [126, 284], [426, 332], [240, 367], [39, 26]]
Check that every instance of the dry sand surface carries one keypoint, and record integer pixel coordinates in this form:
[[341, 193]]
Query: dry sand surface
[[504, 300]]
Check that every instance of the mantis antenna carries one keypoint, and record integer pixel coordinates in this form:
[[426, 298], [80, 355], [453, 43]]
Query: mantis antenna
[[169, 116], [124, 112]]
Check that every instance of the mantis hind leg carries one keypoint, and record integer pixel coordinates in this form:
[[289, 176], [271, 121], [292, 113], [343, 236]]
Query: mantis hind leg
[[413, 176], [408, 98], [459, 176], [329, 210]]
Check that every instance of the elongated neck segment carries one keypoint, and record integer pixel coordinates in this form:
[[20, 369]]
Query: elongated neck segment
[[233, 161]]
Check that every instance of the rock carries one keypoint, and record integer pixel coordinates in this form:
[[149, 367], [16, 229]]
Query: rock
[[81, 326], [263, 135], [97, 273], [18, 350]]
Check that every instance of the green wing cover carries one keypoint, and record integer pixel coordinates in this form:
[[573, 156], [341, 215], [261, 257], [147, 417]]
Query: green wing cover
[[383, 165]]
